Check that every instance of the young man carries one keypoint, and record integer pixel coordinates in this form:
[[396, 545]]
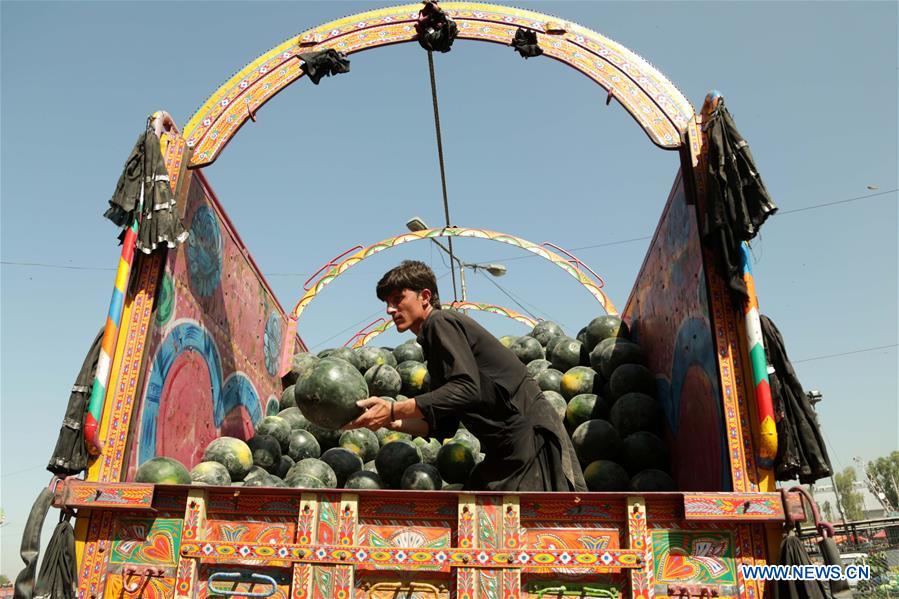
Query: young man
[[479, 382]]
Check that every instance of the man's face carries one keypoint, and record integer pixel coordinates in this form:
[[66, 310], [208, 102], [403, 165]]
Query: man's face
[[408, 309]]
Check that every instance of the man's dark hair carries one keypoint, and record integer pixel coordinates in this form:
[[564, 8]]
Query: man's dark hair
[[410, 274]]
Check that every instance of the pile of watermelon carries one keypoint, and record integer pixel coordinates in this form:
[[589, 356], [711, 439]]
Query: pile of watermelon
[[598, 382]]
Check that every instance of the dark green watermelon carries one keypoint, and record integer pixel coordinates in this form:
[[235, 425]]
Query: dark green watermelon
[[550, 380], [595, 355], [304, 481], [653, 481], [617, 353], [269, 480], [604, 476], [343, 462], [163, 471], [364, 479], [566, 354], [527, 349], [635, 412], [408, 351], [325, 352], [369, 357], [605, 327], [468, 439], [233, 454], [210, 473], [415, 377], [580, 409], [385, 436], [545, 330], [294, 418], [300, 365], [643, 451], [508, 340], [362, 442], [596, 440], [287, 398], [455, 462], [255, 474], [314, 469], [383, 380], [535, 367], [326, 437], [603, 408], [276, 427], [266, 452], [303, 445], [551, 344], [345, 353], [328, 395], [577, 380], [453, 487], [582, 335], [284, 466], [421, 477], [557, 402], [632, 378], [428, 449], [394, 458]]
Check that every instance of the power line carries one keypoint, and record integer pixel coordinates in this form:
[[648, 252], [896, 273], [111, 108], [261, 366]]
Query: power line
[[645, 237], [45, 265], [846, 201], [509, 259], [847, 353]]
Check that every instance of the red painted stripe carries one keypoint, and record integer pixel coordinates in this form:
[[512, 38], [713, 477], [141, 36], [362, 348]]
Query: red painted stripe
[[128, 245], [763, 395]]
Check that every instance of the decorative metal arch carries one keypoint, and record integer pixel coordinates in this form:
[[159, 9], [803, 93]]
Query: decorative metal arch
[[651, 99], [571, 265], [368, 333]]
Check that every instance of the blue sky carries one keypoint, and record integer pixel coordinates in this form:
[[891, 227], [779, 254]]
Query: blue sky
[[531, 150]]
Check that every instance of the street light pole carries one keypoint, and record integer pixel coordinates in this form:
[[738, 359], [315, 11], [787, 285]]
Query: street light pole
[[814, 396], [497, 270]]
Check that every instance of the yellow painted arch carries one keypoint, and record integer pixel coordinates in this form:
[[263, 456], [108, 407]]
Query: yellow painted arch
[[650, 98], [571, 265], [364, 336]]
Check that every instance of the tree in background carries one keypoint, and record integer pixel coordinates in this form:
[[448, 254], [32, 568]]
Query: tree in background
[[852, 501], [885, 473], [4, 581]]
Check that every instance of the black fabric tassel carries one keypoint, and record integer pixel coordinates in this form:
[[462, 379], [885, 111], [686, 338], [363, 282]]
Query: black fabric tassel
[[59, 573], [525, 43], [145, 173], [792, 553], [801, 453], [324, 63], [737, 202], [70, 455], [436, 32]]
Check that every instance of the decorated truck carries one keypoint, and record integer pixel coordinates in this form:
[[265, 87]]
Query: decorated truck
[[198, 348]]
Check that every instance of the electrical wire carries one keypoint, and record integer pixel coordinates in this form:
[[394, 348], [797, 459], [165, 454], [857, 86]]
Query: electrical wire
[[846, 353], [509, 259]]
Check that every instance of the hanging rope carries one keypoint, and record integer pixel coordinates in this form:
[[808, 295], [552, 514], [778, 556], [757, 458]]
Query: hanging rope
[[442, 167]]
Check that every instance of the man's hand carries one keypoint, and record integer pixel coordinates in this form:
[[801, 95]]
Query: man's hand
[[375, 415]]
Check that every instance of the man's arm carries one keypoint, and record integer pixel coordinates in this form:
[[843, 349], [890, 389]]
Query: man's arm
[[380, 413]]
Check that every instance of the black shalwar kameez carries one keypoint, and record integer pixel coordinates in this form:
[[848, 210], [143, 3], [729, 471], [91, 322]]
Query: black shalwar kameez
[[482, 384]]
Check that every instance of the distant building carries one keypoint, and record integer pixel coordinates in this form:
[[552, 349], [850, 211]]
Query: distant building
[[824, 494]]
